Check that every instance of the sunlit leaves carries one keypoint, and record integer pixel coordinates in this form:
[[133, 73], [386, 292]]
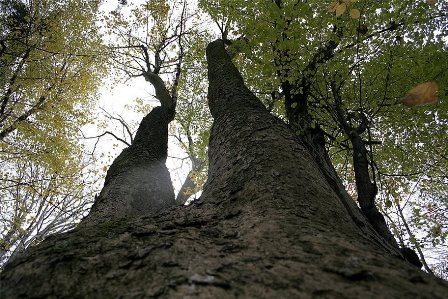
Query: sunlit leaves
[[340, 9], [158, 10]]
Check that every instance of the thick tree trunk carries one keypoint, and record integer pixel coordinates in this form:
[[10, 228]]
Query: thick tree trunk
[[268, 225], [138, 181]]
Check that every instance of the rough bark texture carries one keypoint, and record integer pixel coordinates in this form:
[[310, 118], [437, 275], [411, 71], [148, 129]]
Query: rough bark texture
[[267, 226], [138, 181], [313, 138]]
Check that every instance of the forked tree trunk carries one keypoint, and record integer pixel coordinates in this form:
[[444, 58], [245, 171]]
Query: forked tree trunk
[[267, 226]]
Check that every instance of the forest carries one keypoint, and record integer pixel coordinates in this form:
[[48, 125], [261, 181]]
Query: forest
[[279, 148]]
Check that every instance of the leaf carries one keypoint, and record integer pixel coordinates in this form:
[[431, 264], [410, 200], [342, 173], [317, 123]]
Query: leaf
[[355, 13], [436, 230], [431, 2], [294, 105], [388, 204], [340, 9], [422, 94], [332, 6]]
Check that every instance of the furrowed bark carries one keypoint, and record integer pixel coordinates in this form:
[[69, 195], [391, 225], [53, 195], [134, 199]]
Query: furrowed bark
[[249, 128]]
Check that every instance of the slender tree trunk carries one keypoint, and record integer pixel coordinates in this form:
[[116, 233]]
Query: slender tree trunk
[[367, 190], [365, 187], [268, 225], [189, 186]]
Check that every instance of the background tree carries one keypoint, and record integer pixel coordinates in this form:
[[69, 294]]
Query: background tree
[[193, 119], [153, 53], [49, 73], [146, 36]]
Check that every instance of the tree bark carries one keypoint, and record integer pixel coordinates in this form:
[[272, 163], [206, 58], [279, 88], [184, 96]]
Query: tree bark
[[367, 190], [138, 181], [267, 225]]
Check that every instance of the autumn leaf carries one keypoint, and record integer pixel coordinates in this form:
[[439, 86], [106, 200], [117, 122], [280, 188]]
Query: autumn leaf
[[340, 9], [355, 13], [422, 94], [332, 6], [431, 2]]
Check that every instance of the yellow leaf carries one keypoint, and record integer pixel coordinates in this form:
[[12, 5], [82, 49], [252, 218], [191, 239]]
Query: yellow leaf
[[422, 94], [332, 6], [355, 13], [340, 9]]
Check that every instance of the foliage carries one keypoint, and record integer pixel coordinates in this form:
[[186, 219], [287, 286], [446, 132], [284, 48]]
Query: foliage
[[50, 70]]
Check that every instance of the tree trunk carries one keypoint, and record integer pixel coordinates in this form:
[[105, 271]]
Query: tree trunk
[[138, 181], [189, 186], [267, 225]]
